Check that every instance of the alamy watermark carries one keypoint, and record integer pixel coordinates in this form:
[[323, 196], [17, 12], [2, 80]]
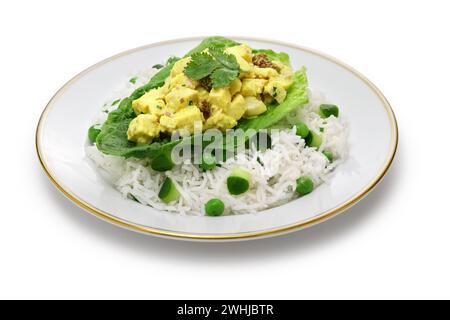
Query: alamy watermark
[[213, 143]]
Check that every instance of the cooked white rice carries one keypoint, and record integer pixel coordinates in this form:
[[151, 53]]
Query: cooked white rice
[[273, 176]]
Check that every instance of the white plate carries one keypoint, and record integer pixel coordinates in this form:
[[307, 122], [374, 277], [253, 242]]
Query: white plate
[[61, 137]]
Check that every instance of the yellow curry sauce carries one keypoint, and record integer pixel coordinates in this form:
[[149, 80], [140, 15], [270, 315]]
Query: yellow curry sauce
[[181, 102]]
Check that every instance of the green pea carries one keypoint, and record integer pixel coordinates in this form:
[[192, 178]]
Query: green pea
[[304, 185], [327, 110], [302, 130], [214, 207], [329, 155], [208, 162], [93, 132]]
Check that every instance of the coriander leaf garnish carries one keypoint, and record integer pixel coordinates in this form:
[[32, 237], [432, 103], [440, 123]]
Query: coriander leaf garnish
[[223, 76], [158, 66], [201, 66], [115, 102], [215, 64], [227, 60]]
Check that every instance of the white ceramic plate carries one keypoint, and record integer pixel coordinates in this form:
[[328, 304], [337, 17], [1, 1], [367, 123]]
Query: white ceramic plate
[[61, 137]]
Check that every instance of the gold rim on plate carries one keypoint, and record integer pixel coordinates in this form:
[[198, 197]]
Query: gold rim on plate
[[244, 235]]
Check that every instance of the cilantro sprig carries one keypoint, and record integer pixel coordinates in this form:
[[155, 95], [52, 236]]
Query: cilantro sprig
[[220, 67]]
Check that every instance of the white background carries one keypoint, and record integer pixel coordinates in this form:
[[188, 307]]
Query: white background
[[393, 244]]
